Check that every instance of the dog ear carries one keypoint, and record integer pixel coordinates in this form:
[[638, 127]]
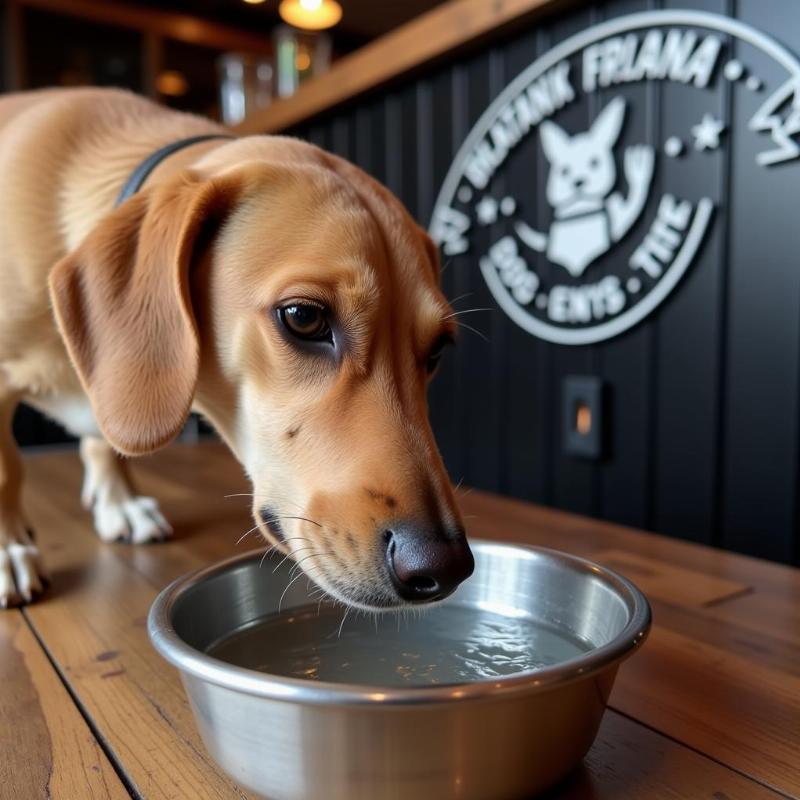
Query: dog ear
[[605, 129], [555, 141], [432, 252], [123, 305]]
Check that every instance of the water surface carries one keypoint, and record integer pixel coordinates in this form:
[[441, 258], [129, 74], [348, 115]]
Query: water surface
[[442, 645]]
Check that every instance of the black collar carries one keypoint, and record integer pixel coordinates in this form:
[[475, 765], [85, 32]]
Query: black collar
[[140, 174]]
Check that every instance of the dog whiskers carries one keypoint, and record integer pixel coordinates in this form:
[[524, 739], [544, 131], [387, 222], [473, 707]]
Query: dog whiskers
[[290, 554], [460, 297], [275, 546], [245, 535], [341, 625], [474, 330], [306, 558], [266, 553], [465, 311], [288, 585]]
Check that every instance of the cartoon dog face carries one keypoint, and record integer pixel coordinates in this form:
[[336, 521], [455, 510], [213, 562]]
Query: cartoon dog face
[[582, 166]]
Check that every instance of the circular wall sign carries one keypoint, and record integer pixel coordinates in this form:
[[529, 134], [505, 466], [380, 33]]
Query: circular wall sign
[[616, 225]]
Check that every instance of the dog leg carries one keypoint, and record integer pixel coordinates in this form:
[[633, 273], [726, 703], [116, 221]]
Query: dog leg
[[22, 576], [119, 513]]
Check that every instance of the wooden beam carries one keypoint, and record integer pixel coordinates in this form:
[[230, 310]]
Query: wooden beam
[[13, 47], [181, 27], [152, 62], [441, 31]]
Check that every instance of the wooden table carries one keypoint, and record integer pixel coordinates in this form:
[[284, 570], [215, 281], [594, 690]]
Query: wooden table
[[710, 708]]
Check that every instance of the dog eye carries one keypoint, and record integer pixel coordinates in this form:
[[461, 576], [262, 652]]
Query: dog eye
[[594, 162], [306, 321], [435, 355]]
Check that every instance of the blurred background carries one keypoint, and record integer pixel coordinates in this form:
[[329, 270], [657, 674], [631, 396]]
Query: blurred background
[[220, 58], [688, 423], [176, 51]]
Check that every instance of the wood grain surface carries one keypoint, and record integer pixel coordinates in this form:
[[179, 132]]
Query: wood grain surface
[[46, 748], [710, 707]]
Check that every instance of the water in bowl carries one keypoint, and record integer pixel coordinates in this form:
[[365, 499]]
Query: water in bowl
[[442, 645]]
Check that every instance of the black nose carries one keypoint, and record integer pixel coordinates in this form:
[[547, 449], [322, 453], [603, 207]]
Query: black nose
[[579, 182], [426, 566]]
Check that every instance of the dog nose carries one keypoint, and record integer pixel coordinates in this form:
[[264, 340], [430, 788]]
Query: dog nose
[[579, 182], [424, 566]]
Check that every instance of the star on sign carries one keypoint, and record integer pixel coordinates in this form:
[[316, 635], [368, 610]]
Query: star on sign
[[486, 210], [706, 133]]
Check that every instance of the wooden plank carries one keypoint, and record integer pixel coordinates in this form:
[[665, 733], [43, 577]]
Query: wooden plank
[[727, 691], [180, 27], [724, 690], [441, 31], [730, 707], [94, 625], [514, 520], [46, 748], [630, 762], [13, 59], [667, 582]]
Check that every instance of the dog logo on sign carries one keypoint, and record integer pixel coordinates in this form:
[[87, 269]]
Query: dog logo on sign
[[588, 216], [581, 217]]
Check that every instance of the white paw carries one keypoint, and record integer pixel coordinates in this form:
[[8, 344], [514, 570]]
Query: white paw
[[131, 519], [22, 575]]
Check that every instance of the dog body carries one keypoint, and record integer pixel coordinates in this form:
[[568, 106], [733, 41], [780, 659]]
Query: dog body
[[260, 281]]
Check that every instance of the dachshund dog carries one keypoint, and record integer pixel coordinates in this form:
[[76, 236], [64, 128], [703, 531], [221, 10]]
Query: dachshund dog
[[273, 288]]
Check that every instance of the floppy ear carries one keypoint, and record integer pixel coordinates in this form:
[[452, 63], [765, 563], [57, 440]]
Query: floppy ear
[[431, 251], [123, 306], [555, 141], [608, 124]]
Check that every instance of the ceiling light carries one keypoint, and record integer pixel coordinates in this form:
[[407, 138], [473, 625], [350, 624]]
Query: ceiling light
[[313, 15], [254, 2], [172, 83]]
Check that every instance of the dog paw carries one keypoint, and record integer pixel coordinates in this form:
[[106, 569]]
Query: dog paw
[[120, 515], [134, 519], [22, 575]]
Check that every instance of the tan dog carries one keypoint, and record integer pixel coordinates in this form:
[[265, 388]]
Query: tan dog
[[272, 287]]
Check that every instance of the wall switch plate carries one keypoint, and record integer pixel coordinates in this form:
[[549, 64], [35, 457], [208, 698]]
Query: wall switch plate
[[583, 416]]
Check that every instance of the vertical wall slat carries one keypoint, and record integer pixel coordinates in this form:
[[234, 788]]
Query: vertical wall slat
[[574, 479], [625, 362], [689, 325], [442, 394], [528, 405], [761, 414]]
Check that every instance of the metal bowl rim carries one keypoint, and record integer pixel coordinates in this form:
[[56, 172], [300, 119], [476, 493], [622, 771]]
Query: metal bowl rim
[[274, 687]]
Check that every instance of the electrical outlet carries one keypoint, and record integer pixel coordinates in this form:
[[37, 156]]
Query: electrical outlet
[[583, 416]]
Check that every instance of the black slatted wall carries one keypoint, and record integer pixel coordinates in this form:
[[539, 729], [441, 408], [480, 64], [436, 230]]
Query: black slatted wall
[[704, 392]]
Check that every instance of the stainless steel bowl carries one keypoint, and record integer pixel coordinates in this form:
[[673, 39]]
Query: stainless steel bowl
[[510, 737]]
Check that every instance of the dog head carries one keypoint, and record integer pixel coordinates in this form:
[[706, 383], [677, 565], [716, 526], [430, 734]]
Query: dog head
[[582, 166], [293, 301]]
